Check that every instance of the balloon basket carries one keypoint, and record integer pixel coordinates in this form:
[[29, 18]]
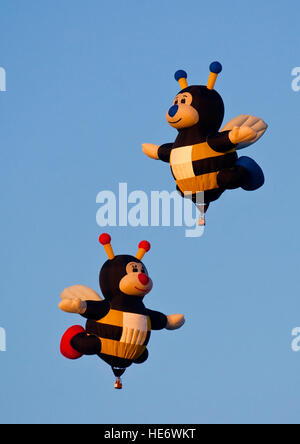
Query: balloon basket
[[118, 384]]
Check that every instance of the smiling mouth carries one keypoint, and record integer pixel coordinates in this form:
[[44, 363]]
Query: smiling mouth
[[140, 289], [175, 121]]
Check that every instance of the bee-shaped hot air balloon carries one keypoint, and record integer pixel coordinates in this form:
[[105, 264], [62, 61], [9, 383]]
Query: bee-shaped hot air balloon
[[118, 327], [203, 158]]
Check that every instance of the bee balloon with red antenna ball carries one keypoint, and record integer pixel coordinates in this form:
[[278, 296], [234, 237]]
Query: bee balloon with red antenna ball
[[118, 327], [203, 158]]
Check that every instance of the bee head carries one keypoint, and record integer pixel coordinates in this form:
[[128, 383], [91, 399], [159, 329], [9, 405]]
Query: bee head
[[124, 274], [197, 105]]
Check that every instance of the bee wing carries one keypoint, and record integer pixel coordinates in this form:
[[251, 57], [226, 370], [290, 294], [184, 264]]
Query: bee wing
[[80, 291], [256, 123]]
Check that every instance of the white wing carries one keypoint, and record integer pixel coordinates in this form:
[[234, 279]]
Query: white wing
[[80, 291], [253, 122]]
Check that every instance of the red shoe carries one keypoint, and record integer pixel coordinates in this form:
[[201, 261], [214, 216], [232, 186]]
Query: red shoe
[[65, 344]]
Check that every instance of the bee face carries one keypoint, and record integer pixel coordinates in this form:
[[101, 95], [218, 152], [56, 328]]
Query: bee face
[[136, 282], [182, 114]]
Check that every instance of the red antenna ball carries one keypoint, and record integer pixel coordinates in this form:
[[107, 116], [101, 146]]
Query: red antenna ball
[[104, 239], [145, 245]]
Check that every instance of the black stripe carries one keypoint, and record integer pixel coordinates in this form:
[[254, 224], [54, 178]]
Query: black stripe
[[220, 142], [147, 337], [128, 304], [209, 195], [214, 164], [115, 361], [108, 331], [105, 331], [164, 152]]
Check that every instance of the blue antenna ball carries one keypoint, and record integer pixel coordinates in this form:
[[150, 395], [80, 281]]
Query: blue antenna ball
[[180, 74], [215, 67]]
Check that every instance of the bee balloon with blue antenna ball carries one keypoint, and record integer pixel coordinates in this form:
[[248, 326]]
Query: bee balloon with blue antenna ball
[[203, 158]]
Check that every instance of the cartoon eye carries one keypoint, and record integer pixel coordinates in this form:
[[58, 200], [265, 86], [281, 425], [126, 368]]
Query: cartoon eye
[[182, 100], [133, 267], [176, 102], [143, 270]]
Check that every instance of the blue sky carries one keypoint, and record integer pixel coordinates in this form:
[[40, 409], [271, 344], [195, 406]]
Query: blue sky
[[87, 84]]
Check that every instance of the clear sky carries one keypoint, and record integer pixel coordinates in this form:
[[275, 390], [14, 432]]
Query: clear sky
[[87, 84]]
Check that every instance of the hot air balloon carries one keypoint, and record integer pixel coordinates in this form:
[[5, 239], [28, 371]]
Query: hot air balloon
[[118, 327], [203, 158]]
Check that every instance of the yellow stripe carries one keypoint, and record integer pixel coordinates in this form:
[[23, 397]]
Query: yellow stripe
[[113, 317], [181, 155], [204, 151], [116, 318], [121, 349], [195, 184], [181, 162], [183, 171]]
